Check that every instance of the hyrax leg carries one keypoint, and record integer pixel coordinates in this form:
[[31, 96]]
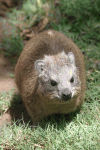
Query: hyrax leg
[[35, 109]]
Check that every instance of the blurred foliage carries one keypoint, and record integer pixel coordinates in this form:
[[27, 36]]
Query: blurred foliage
[[13, 45], [31, 12], [83, 17], [79, 20]]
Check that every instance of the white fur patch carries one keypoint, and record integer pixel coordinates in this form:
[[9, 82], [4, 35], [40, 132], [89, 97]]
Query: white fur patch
[[51, 58], [48, 58], [50, 33]]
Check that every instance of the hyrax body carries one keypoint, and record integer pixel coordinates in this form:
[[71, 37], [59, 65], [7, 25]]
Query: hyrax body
[[50, 75]]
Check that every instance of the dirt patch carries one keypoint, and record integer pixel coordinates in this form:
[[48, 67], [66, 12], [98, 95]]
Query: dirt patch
[[6, 83], [6, 73], [17, 110]]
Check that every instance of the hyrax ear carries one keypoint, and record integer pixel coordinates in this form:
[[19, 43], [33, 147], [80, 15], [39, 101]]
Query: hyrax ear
[[71, 58], [39, 66]]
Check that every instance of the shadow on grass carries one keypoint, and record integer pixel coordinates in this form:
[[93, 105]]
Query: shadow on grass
[[19, 114], [18, 111], [58, 120]]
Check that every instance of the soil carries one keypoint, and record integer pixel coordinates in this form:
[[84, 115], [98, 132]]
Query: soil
[[6, 70], [7, 83]]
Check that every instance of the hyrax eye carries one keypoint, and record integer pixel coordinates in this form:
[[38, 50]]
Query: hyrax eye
[[72, 80], [53, 83]]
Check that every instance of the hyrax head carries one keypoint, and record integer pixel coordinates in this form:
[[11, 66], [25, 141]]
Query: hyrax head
[[58, 76]]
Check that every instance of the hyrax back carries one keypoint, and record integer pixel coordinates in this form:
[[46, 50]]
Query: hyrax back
[[50, 75]]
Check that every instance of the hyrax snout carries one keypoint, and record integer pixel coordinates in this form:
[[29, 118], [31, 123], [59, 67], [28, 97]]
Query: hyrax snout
[[50, 75]]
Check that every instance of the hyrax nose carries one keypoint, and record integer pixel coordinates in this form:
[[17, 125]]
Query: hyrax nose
[[66, 95]]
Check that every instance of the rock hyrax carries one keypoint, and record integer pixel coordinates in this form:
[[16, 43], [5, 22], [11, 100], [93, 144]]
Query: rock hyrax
[[50, 75]]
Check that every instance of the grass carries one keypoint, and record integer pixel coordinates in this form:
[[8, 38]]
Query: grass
[[74, 135], [80, 130], [13, 46], [5, 98]]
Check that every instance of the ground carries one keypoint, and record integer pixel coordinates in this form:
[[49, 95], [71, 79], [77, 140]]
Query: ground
[[7, 83], [6, 73]]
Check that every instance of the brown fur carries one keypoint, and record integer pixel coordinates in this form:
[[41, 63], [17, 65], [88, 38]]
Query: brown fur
[[46, 43]]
